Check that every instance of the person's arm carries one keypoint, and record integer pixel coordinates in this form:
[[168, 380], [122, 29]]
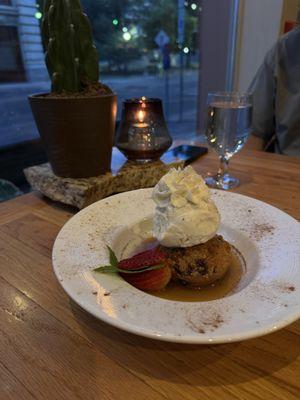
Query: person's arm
[[263, 89]]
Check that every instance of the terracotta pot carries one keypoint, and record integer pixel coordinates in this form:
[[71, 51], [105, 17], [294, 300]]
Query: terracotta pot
[[77, 132]]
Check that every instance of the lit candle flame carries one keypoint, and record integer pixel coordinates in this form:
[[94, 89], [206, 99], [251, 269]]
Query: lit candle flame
[[141, 115]]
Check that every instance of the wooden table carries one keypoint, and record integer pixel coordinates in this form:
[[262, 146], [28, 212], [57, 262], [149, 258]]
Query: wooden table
[[51, 349]]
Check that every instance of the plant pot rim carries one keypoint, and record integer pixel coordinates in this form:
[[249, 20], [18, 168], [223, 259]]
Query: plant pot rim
[[44, 96]]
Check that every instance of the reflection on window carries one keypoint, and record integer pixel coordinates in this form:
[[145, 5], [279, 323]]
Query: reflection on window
[[140, 56]]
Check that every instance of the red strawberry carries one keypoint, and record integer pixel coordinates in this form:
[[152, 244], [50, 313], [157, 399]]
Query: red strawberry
[[145, 259], [149, 280], [146, 270]]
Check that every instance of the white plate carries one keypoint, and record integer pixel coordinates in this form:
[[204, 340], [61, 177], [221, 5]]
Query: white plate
[[267, 298]]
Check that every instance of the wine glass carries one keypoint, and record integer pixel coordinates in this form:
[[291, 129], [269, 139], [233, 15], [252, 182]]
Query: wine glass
[[229, 119]]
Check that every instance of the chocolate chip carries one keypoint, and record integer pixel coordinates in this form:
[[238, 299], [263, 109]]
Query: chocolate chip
[[177, 268], [183, 283], [201, 266]]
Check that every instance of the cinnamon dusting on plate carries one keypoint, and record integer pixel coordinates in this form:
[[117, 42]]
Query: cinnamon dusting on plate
[[210, 324], [261, 230]]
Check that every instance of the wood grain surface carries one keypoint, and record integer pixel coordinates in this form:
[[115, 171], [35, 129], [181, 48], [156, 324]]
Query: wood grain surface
[[51, 349]]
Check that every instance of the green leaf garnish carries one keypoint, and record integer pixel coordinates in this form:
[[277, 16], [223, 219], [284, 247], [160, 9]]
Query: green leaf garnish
[[106, 268], [112, 258], [111, 269]]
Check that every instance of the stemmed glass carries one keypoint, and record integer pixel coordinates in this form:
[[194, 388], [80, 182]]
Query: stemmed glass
[[229, 118]]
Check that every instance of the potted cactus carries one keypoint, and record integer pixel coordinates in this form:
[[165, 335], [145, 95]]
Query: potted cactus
[[76, 121]]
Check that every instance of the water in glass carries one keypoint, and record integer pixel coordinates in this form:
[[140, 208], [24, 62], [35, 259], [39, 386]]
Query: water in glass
[[228, 127]]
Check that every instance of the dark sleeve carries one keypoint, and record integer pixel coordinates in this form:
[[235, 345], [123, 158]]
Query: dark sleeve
[[263, 88]]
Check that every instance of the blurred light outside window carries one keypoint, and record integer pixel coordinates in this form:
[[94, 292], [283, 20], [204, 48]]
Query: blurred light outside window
[[132, 61]]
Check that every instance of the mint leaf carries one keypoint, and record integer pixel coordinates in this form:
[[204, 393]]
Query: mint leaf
[[106, 268], [112, 258]]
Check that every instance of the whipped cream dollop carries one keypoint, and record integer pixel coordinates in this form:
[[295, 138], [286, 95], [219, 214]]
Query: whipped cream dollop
[[185, 214]]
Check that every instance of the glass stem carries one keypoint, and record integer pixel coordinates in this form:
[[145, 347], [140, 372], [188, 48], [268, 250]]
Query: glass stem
[[223, 169]]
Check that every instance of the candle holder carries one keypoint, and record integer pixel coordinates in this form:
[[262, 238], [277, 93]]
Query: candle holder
[[143, 134]]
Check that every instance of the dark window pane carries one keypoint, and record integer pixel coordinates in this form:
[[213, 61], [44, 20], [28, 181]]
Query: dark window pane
[[11, 65]]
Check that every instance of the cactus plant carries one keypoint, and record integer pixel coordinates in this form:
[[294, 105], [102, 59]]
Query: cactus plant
[[71, 56]]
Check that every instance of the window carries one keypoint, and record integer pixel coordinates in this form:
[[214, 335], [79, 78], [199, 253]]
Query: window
[[11, 65], [139, 56]]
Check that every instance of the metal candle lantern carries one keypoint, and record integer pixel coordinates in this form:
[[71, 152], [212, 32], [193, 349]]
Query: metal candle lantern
[[143, 134]]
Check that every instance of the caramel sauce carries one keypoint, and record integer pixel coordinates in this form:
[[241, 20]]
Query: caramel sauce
[[175, 291]]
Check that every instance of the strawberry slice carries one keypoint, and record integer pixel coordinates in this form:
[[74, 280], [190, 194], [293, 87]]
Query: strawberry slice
[[146, 270], [147, 258], [149, 280]]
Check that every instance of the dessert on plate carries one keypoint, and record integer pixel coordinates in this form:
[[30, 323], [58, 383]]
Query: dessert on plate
[[185, 225], [186, 221]]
